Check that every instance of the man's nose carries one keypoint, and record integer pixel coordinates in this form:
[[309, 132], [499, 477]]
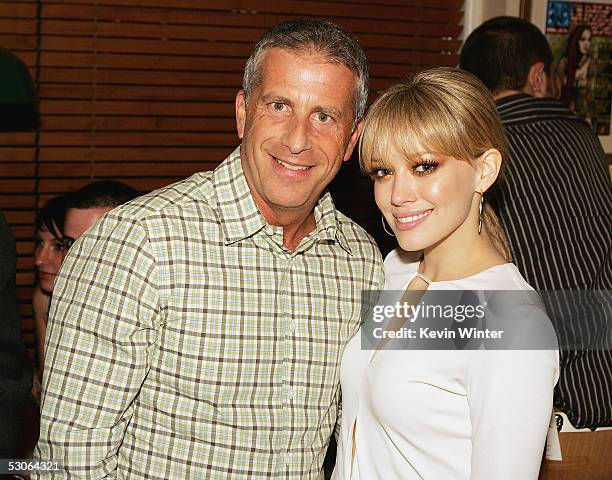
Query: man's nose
[[297, 134]]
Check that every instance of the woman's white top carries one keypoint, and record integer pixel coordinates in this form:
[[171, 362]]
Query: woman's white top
[[444, 415]]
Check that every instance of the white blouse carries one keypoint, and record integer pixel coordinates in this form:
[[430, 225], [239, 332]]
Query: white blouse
[[444, 415]]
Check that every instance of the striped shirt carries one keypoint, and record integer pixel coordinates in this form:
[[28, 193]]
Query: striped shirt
[[555, 205], [186, 342]]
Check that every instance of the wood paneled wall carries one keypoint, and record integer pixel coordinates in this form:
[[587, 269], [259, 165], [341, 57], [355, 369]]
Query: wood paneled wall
[[142, 91]]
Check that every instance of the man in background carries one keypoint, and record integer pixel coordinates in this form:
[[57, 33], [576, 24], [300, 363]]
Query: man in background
[[555, 205], [18, 112], [84, 207], [89, 203], [196, 332], [15, 368]]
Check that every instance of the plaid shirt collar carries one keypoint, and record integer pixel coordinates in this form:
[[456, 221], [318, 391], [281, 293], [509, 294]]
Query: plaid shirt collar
[[240, 218]]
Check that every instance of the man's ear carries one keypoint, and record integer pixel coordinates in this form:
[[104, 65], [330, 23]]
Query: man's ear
[[537, 81], [353, 140], [490, 164], [240, 113]]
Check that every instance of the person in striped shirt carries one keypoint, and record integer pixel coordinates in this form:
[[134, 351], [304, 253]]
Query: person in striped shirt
[[556, 207]]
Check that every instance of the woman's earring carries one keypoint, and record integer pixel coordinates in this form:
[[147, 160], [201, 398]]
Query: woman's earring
[[385, 226], [480, 213]]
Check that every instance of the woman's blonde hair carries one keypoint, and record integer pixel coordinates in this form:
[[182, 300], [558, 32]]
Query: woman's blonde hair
[[445, 111]]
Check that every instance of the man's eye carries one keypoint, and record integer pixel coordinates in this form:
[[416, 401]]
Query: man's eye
[[279, 107], [323, 117]]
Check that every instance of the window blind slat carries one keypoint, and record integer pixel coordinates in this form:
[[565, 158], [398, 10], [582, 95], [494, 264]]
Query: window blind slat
[[62, 123], [55, 91], [295, 8], [143, 154], [233, 19]]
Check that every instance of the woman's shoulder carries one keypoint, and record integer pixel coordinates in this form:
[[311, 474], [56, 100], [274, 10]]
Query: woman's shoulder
[[505, 276]]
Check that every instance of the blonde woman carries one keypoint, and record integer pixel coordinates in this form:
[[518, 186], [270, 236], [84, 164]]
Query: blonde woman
[[434, 147]]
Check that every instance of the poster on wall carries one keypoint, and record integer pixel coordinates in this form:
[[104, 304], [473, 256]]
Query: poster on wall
[[580, 35]]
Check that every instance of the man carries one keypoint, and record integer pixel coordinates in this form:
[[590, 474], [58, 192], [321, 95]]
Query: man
[[83, 208], [15, 369], [556, 202], [89, 203], [18, 113], [197, 331]]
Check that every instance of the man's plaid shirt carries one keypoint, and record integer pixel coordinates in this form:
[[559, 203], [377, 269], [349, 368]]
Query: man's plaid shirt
[[185, 342]]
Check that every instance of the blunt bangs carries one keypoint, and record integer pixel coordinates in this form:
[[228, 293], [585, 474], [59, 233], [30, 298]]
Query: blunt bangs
[[442, 111]]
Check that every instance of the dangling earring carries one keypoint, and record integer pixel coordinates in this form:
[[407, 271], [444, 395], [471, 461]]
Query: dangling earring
[[480, 213], [382, 217]]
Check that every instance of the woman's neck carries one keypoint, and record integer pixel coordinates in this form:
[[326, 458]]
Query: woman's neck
[[460, 255]]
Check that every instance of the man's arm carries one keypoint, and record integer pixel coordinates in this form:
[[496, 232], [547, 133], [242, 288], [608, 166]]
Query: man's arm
[[102, 329]]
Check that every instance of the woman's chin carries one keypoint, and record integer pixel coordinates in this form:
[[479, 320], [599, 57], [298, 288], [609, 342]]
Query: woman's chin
[[47, 287], [411, 244]]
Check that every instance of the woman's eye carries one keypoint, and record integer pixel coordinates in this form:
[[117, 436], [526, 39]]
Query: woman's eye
[[381, 173], [67, 243], [425, 168]]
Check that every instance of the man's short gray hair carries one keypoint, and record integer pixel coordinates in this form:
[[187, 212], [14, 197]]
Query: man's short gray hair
[[312, 36]]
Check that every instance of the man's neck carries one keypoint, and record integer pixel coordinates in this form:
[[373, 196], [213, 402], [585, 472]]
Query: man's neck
[[296, 225], [294, 233], [507, 93]]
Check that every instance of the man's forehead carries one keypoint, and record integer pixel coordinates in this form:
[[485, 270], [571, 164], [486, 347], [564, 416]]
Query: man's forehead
[[306, 69], [307, 54], [83, 216]]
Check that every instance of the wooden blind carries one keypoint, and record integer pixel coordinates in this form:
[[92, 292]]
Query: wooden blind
[[142, 91]]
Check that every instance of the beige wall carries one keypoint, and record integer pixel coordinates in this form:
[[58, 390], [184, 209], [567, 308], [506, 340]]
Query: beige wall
[[477, 11]]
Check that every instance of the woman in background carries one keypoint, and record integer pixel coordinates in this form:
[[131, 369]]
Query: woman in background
[[575, 72], [434, 147], [48, 256]]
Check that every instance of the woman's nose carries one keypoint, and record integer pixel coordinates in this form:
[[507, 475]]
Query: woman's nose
[[404, 189], [41, 256]]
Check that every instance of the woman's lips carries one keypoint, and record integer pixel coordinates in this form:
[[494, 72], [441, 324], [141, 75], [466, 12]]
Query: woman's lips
[[411, 220], [46, 274]]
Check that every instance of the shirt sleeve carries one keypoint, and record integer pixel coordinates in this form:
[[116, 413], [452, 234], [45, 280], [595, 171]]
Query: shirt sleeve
[[102, 332], [510, 395]]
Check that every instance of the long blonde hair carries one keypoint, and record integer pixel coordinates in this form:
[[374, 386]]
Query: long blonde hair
[[446, 111]]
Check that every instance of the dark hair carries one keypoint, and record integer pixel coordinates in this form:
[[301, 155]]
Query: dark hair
[[103, 193], [502, 50], [312, 36], [573, 56], [51, 216]]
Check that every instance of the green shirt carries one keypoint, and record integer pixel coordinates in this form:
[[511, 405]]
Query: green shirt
[[186, 342]]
